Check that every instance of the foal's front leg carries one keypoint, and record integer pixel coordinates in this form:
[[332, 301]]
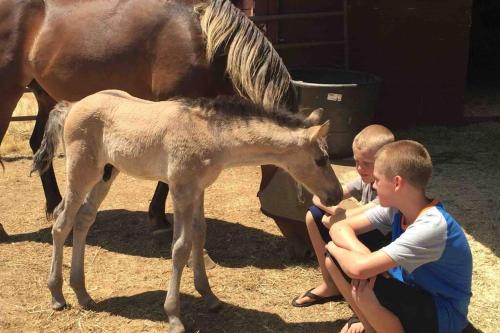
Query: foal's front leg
[[183, 202], [200, 275]]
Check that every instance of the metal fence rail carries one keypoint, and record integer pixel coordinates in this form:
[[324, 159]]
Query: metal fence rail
[[24, 118]]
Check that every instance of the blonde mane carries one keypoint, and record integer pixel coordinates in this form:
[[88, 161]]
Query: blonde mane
[[254, 66]]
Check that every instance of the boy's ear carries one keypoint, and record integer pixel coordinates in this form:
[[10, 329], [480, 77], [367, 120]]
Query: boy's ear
[[319, 132], [398, 182], [314, 117]]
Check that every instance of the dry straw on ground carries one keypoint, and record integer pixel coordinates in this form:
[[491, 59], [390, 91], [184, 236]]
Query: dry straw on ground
[[16, 139], [128, 273]]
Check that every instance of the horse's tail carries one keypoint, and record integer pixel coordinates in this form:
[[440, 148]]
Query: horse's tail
[[51, 137], [254, 66]]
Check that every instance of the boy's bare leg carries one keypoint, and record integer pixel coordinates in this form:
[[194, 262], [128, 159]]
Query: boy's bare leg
[[380, 318], [327, 287], [373, 316], [344, 287]]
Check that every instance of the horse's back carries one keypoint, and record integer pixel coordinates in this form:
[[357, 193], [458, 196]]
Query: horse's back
[[87, 46]]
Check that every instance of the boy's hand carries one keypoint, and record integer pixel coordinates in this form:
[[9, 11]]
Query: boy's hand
[[335, 210], [330, 247], [335, 214], [362, 291], [327, 221], [332, 210]]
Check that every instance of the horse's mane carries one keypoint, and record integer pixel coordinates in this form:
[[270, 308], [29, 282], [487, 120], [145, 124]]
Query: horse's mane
[[254, 66], [229, 108]]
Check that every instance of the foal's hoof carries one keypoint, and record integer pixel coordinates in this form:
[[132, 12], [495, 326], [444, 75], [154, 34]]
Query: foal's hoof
[[176, 326]]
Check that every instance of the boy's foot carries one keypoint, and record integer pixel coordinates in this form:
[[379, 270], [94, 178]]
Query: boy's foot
[[353, 325], [313, 296]]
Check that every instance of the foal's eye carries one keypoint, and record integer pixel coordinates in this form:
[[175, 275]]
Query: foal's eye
[[322, 161]]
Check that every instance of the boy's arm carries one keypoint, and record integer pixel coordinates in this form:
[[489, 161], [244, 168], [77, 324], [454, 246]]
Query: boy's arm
[[361, 265], [344, 233], [359, 210], [342, 214]]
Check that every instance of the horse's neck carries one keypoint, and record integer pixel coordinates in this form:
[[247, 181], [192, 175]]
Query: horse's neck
[[258, 144]]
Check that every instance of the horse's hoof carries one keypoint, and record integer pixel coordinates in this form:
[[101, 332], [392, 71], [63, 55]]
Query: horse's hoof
[[214, 304], [59, 306], [162, 236], [161, 233], [89, 304], [3, 235]]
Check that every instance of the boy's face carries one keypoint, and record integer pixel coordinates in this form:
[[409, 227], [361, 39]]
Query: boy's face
[[385, 187], [364, 164]]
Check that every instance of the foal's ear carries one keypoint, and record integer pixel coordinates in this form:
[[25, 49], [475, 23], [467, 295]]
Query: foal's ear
[[319, 132], [314, 117]]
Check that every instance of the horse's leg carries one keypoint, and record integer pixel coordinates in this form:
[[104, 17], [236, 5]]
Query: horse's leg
[[157, 220], [183, 201], [82, 176], [49, 183], [9, 96], [84, 220], [200, 275]]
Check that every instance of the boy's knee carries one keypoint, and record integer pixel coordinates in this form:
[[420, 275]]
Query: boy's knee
[[333, 267], [309, 218]]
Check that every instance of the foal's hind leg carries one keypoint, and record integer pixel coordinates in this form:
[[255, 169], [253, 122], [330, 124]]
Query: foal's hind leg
[[82, 176], [84, 220], [60, 230], [200, 275], [49, 182]]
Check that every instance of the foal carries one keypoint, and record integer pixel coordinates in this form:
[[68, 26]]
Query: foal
[[185, 143]]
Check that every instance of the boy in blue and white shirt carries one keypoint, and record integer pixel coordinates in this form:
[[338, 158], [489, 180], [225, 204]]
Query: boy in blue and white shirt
[[429, 262]]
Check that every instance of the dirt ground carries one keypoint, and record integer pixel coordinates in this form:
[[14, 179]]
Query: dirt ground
[[128, 272]]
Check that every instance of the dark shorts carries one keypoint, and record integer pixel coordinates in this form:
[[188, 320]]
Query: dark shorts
[[373, 240], [414, 307]]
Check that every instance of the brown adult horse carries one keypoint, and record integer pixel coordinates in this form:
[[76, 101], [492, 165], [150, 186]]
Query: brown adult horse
[[153, 49]]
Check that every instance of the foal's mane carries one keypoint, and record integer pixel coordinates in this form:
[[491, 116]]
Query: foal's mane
[[254, 66], [233, 108]]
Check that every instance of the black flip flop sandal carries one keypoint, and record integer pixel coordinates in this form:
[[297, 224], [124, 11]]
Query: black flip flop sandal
[[315, 299], [353, 320]]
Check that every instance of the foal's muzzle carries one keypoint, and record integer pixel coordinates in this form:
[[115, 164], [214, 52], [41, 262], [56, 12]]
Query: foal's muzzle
[[333, 197]]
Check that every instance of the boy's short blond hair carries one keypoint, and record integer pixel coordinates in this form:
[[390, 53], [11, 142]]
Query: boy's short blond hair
[[408, 159], [372, 138]]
